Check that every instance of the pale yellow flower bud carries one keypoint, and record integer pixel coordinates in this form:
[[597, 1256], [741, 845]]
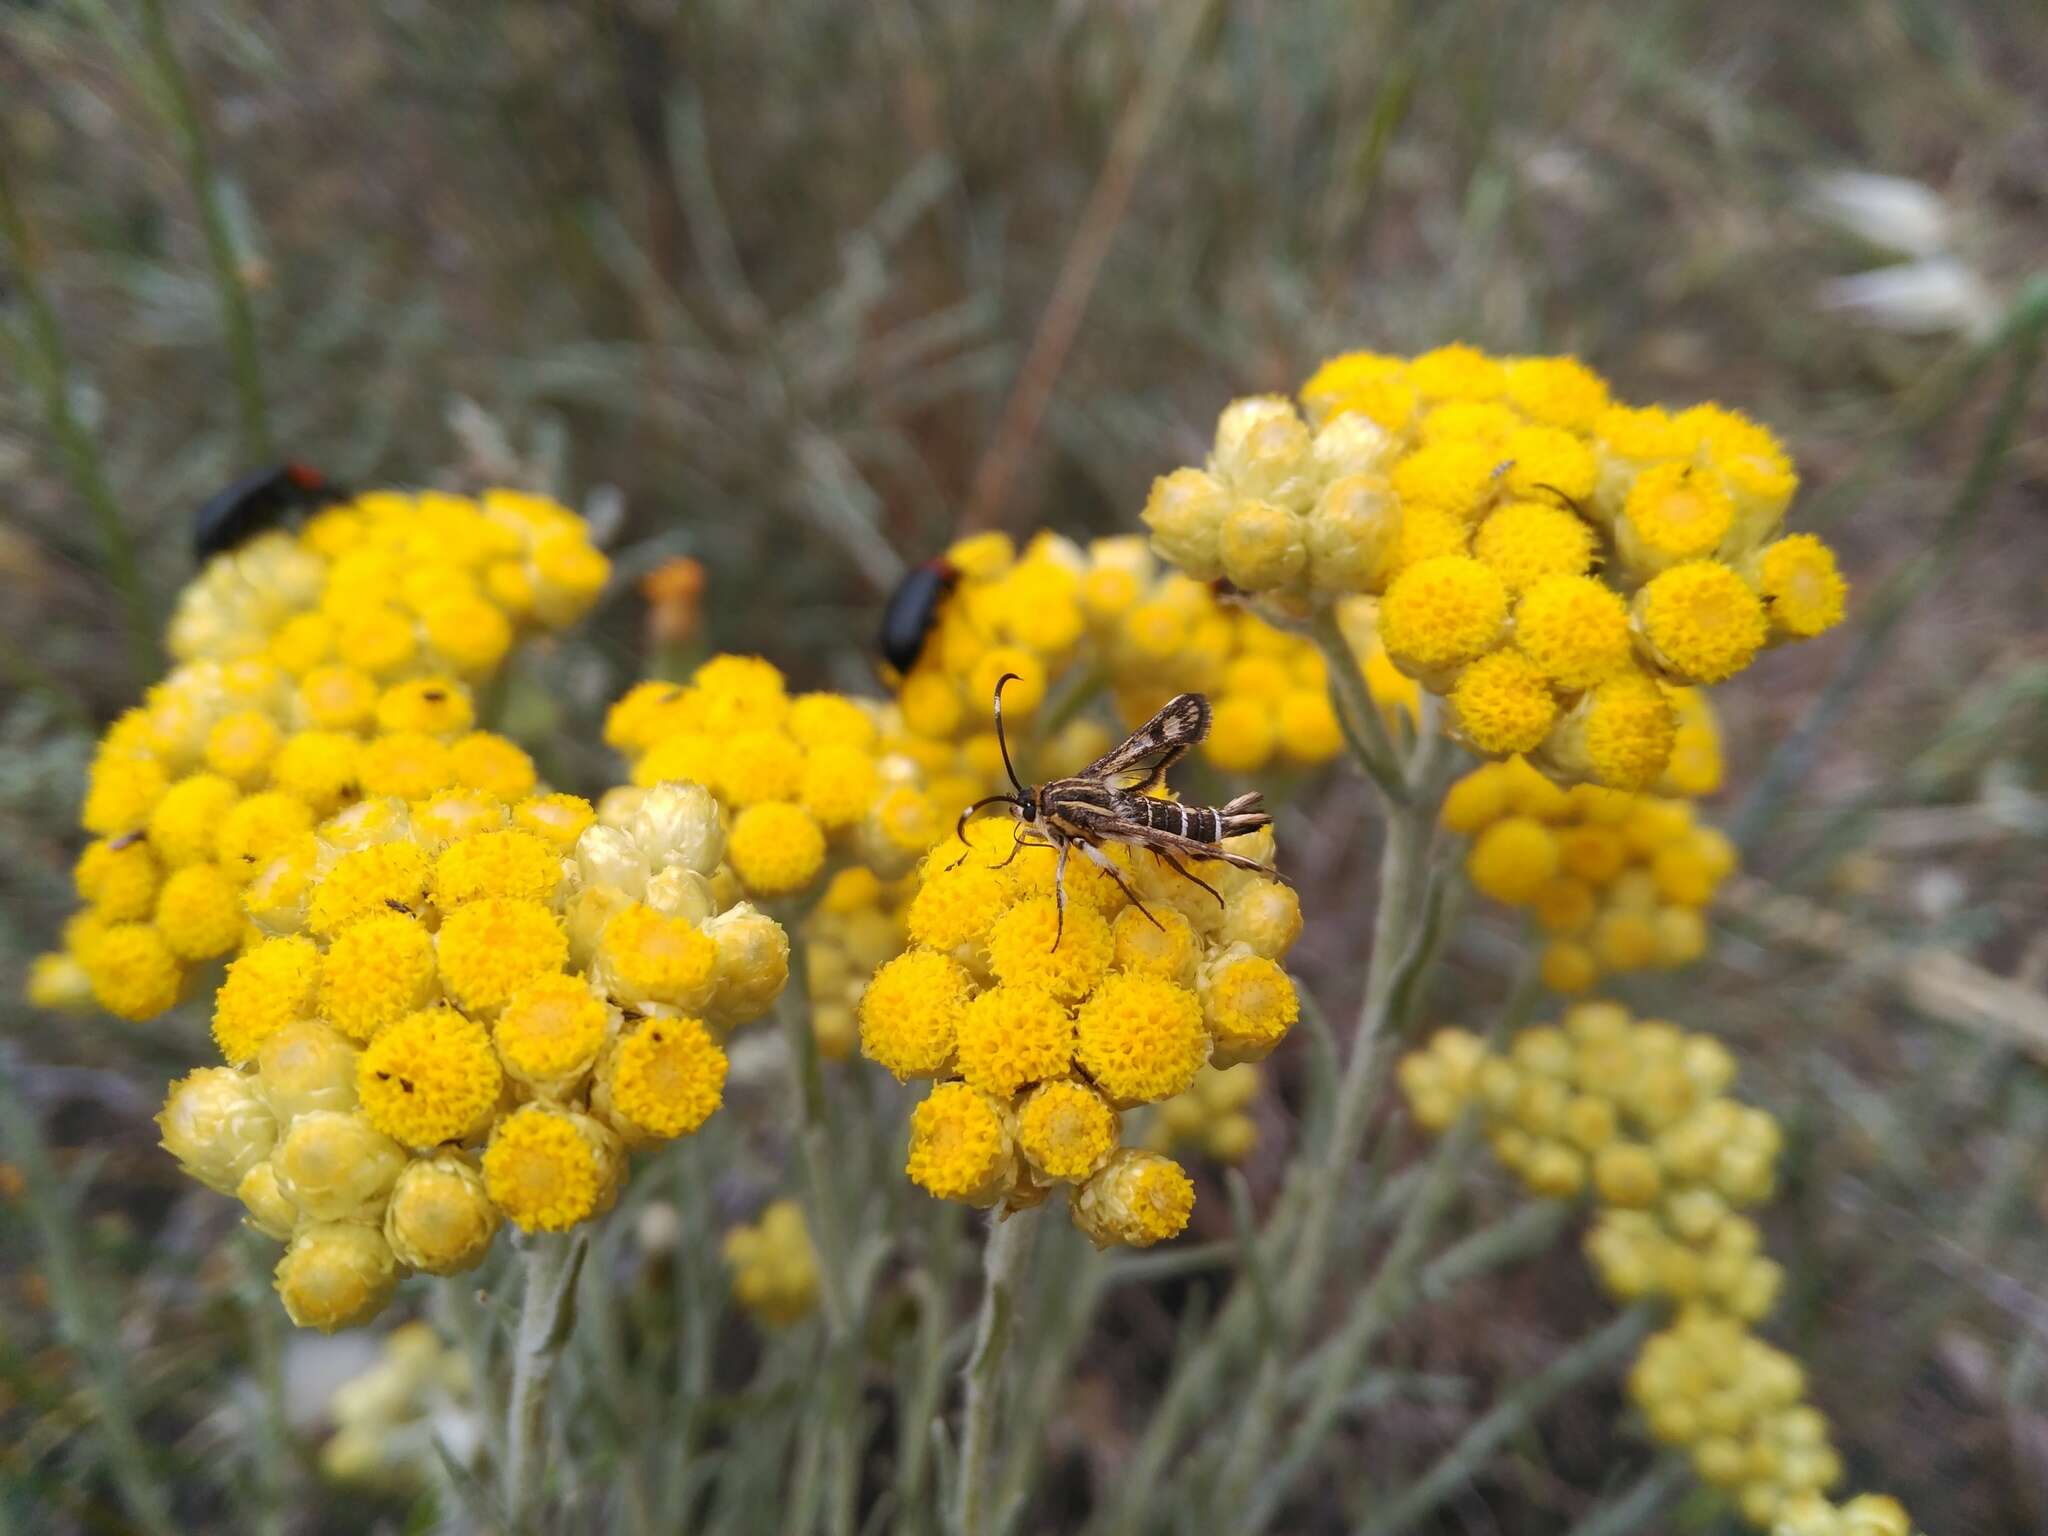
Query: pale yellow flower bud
[[305, 1066], [679, 824], [440, 1219], [1136, 1199], [608, 859], [1263, 546], [753, 964], [217, 1125], [681, 892], [270, 1212], [337, 1167], [1185, 513], [1353, 531], [1352, 444], [335, 1276], [1262, 450]]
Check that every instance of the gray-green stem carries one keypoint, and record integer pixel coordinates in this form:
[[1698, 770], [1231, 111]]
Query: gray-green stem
[[1004, 1261], [238, 317], [551, 1262]]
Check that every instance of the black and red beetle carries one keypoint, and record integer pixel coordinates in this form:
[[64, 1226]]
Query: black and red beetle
[[912, 610], [261, 499]]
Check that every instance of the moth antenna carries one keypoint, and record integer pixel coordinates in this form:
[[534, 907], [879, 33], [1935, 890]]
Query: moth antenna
[[960, 826], [1002, 740]]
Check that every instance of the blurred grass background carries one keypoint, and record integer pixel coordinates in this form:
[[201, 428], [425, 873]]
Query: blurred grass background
[[800, 290]]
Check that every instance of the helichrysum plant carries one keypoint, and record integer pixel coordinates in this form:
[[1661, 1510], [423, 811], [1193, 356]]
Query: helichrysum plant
[[315, 669], [466, 1014], [1036, 1050], [773, 1265], [1635, 1114], [1549, 561]]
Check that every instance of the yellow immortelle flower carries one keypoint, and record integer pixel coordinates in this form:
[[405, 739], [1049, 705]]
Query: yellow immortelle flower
[[199, 912], [775, 1267], [1021, 947], [429, 1078], [1249, 1006], [910, 1014], [515, 864], [1441, 612], [1140, 1038], [1700, 622], [215, 1123], [663, 1078], [655, 958], [256, 830], [551, 1032], [1011, 1037], [960, 1148], [384, 878], [1137, 1199], [1619, 735], [1525, 541], [134, 972], [776, 848], [334, 1165], [1513, 859], [1802, 590], [119, 879], [184, 823], [488, 949], [1575, 630], [306, 1066], [548, 1169], [1502, 703], [1065, 1129]]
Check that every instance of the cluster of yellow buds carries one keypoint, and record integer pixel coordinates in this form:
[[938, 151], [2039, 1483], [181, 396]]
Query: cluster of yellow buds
[[468, 1012], [1738, 1408], [1616, 881], [774, 1267], [314, 669], [1212, 1115], [388, 1419], [858, 925], [1061, 614], [808, 779], [1547, 560], [1637, 1112], [1041, 1031]]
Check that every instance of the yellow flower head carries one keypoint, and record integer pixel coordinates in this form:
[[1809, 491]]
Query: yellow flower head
[[1502, 703], [1013, 1036], [186, 820], [488, 949], [119, 879], [1163, 945], [1803, 591], [430, 1077], [1575, 629], [776, 849], [384, 878], [1525, 541], [1136, 1199], [910, 1014], [1249, 1005], [334, 1165], [1700, 621], [1140, 1038], [496, 864], [1065, 1130], [306, 1066], [547, 1169], [134, 972], [663, 1078], [960, 1148], [1512, 860], [1022, 953], [217, 1125], [375, 972], [956, 907], [1442, 612], [256, 830]]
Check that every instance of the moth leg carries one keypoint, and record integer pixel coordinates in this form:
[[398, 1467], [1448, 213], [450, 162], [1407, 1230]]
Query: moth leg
[[1101, 862], [1182, 870], [1018, 845], [1059, 895], [1161, 842]]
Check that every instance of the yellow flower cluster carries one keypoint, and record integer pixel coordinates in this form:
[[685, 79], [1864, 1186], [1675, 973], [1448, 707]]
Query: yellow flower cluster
[[1636, 1112], [1547, 560], [808, 779], [1616, 881], [858, 925], [1211, 1115], [1042, 1032], [388, 1418], [774, 1267], [464, 1013], [314, 670], [1059, 613]]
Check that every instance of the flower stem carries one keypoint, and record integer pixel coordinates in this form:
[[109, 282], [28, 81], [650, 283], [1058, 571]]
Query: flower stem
[[1004, 1260], [238, 318], [547, 1315], [1510, 1416], [52, 370], [1358, 717]]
